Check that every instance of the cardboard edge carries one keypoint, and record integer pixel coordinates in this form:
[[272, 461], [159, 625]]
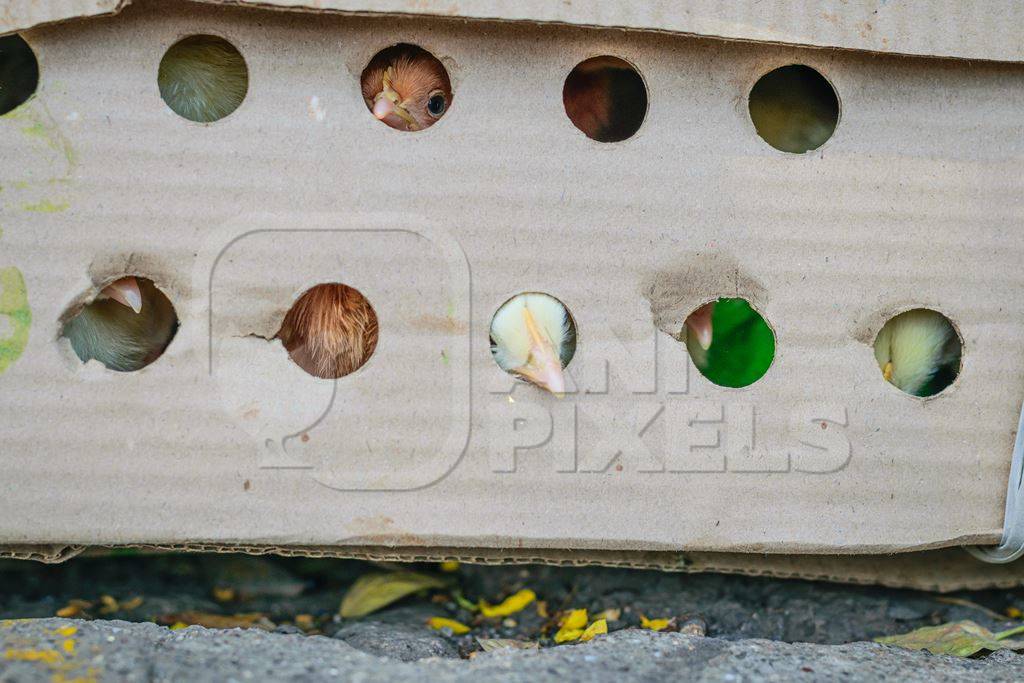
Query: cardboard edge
[[905, 570], [15, 27]]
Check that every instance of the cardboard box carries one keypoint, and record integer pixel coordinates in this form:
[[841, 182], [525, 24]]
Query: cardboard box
[[224, 442]]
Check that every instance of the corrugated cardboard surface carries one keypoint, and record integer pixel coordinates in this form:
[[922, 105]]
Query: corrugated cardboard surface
[[914, 201], [945, 28]]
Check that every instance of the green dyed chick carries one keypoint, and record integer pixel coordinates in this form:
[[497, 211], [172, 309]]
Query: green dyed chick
[[729, 342], [126, 328], [919, 352], [203, 78], [794, 109]]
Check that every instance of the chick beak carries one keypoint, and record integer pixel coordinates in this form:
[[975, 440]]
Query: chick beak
[[544, 367], [387, 105], [125, 291], [887, 372], [699, 323]]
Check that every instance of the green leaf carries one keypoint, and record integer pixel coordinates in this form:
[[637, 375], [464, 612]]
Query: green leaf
[[372, 592], [960, 638]]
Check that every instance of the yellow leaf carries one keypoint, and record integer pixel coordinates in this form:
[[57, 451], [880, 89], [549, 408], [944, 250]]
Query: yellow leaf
[[223, 594], [542, 609], [209, 620], [572, 625], [450, 566], [510, 605], [564, 635], [599, 627], [66, 631], [69, 646], [178, 625], [438, 623], [372, 592], [1014, 613], [305, 622], [129, 605], [654, 624]]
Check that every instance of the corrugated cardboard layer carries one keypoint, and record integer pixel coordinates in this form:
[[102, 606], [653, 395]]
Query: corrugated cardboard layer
[[945, 28], [915, 201], [944, 570]]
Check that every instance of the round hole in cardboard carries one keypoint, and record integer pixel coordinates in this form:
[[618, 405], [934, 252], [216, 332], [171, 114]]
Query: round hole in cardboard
[[919, 352], [127, 326], [606, 98], [794, 108], [729, 342], [203, 78], [533, 337], [19, 73], [406, 87], [330, 331]]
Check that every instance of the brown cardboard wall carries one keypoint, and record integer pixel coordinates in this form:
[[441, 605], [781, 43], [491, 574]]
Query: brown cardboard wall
[[225, 441]]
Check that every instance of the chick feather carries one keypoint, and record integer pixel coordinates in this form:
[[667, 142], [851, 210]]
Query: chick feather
[[510, 339], [203, 78], [413, 85], [923, 349], [605, 98], [742, 345], [330, 331], [794, 109], [121, 339]]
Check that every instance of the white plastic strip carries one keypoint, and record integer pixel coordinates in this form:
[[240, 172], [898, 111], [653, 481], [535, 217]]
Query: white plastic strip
[[1011, 545]]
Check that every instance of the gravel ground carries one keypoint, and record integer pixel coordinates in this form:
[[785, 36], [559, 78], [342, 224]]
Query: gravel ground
[[756, 628], [37, 650]]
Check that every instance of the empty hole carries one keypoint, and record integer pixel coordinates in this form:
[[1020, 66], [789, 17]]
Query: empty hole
[[605, 97], [729, 342], [794, 108], [126, 327], [19, 73], [406, 87], [330, 331], [919, 352], [533, 336], [203, 78]]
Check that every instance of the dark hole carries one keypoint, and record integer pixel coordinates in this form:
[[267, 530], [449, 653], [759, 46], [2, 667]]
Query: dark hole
[[794, 108], [605, 98], [19, 73]]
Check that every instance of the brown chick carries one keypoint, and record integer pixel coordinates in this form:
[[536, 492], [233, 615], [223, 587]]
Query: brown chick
[[605, 98], [406, 87], [330, 331]]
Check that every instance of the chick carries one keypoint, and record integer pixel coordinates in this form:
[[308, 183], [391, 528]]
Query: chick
[[125, 328], [533, 337], [330, 331], [406, 87], [794, 109], [918, 351], [605, 98], [729, 342], [203, 78]]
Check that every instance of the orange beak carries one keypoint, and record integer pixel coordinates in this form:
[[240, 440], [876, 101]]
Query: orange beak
[[543, 367], [125, 291], [699, 323], [387, 105]]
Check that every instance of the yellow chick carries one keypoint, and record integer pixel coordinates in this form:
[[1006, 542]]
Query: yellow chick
[[532, 337], [918, 351]]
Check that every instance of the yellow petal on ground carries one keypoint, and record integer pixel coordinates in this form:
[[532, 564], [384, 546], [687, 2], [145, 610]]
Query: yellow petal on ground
[[178, 625], [66, 631], [510, 605], [566, 635], [572, 625], [374, 591], [654, 624], [1014, 613], [223, 594], [450, 566], [598, 628], [438, 623]]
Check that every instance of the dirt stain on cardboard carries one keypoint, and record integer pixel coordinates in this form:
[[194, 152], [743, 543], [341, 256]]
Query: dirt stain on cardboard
[[14, 307]]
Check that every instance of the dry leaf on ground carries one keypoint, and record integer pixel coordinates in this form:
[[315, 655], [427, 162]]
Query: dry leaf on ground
[[960, 638], [374, 591], [491, 644]]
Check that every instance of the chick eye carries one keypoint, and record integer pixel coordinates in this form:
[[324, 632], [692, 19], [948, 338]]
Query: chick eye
[[436, 104]]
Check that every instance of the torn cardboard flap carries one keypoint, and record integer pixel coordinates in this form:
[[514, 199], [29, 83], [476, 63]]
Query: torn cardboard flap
[[941, 28]]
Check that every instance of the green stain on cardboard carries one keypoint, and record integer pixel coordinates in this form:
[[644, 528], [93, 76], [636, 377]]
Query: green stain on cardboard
[[14, 305], [46, 206]]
